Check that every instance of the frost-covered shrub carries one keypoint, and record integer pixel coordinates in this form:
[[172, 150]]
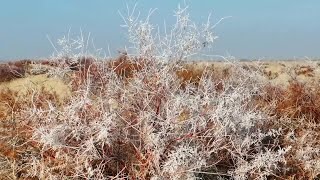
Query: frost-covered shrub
[[184, 39], [135, 119]]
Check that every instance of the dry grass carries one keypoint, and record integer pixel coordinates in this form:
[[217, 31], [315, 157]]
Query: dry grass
[[36, 82]]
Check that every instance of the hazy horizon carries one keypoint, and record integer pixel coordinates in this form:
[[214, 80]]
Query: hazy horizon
[[269, 29]]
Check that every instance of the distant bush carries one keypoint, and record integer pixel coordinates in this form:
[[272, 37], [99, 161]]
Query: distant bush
[[13, 70]]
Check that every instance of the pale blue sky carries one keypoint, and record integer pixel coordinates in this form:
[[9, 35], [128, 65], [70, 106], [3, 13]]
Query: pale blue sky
[[257, 29]]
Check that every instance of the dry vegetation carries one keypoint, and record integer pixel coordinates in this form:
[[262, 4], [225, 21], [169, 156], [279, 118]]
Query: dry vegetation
[[153, 115], [105, 134]]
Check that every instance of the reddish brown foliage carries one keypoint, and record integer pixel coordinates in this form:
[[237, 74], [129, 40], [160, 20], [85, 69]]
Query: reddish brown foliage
[[297, 101], [20, 63], [16, 130], [123, 66], [10, 72], [13, 70], [297, 112], [8, 103], [189, 75]]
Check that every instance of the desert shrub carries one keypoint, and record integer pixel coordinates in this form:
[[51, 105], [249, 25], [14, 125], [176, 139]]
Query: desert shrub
[[20, 63], [146, 115], [296, 110], [189, 75], [303, 158], [304, 70], [124, 66], [297, 101], [10, 71], [7, 103], [148, 127], [16, 129]]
